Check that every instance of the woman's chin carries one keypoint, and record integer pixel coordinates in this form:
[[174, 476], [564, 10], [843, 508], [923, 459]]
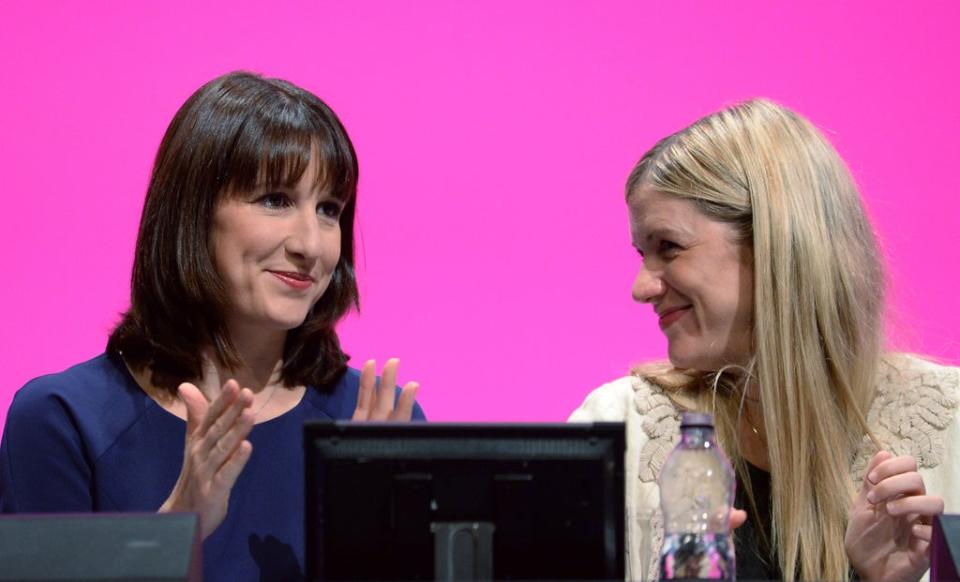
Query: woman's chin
[[280, 323], [289, 324], [684, 360]]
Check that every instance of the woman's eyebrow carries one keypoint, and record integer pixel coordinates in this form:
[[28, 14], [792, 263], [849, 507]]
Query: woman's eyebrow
[[664, 231]]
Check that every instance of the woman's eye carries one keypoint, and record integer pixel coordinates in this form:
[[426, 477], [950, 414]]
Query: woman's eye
[[330, 209], [668, 248], [273, 200]]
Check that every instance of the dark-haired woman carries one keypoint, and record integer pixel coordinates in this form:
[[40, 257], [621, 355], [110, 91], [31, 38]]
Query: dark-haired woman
[[244, 264]]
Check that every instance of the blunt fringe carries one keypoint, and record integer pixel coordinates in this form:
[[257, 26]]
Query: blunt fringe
[[238, 132], [817, 314]]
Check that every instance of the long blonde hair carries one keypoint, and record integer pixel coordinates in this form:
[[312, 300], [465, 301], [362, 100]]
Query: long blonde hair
[[817, 314]]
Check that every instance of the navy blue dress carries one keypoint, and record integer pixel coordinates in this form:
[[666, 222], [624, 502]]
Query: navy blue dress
[[90, 439]]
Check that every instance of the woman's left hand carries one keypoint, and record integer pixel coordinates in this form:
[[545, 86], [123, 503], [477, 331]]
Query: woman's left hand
[[380, 402], [888, 531]]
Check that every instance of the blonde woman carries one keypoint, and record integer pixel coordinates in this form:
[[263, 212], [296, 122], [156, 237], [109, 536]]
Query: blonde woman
[[763, 269]]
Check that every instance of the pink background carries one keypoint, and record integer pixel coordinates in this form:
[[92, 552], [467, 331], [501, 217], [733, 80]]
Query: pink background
[[494, 140]]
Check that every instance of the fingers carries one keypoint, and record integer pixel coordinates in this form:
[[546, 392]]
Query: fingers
[[408, 397], [379, 401], [916, 506], [922, 531], [214, 442], [387, 396], [878, 458], [215, 454], [196, 404], [225, 424], [921, 547], [229, 471], [890, 466], [227, 397], [368, 381], [895, 486], [227, 434]]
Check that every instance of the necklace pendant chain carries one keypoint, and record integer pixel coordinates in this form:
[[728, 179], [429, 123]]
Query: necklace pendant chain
[[266, 402]]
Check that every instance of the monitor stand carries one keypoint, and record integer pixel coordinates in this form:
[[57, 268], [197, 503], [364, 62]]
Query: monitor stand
[[463, 550]]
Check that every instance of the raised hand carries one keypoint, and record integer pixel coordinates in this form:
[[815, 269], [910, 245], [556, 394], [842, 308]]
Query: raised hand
[[888, 532], [215, 452], [377, 402]]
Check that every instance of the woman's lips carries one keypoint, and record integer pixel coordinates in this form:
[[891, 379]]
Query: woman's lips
[[297, 281], [670, 316]]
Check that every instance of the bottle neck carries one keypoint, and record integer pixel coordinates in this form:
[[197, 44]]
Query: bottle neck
[[697, 437]]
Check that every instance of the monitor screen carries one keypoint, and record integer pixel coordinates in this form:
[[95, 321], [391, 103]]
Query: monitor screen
[[945, 548], [429, 501]]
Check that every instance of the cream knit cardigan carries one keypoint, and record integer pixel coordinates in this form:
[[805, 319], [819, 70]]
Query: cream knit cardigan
[[915, 413]]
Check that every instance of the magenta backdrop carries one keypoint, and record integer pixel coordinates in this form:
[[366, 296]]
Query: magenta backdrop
[[494, 139]]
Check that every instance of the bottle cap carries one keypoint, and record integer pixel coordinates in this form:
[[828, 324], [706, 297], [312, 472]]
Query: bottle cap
[[696, 420]]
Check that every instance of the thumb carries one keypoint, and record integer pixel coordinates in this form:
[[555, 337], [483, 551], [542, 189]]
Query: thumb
[[196, 404], [737, 518]]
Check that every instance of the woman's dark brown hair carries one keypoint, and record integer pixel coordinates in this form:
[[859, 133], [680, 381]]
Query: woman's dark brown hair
[[237, 133]]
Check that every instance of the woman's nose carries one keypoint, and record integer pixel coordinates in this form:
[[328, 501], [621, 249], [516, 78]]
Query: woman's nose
[[647, 286], [305, 238]]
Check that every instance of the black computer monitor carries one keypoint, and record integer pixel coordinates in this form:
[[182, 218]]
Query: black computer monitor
[[428, 501], [945, 548]]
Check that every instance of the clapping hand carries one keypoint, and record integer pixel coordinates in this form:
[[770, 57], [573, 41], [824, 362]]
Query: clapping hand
[[216, 449], [215, 453], [888, 533], [377, 402]]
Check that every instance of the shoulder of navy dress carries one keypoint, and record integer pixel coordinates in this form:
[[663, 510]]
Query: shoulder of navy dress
[[97, 397], [77, 380]]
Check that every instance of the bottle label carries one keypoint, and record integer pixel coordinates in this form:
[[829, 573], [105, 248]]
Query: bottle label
[[703, 556]]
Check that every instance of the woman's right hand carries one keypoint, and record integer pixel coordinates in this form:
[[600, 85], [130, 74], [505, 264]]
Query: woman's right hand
[[215, 453], [888, 530]]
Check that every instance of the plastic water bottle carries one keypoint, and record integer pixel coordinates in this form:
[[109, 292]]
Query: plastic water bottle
[[697, 488]]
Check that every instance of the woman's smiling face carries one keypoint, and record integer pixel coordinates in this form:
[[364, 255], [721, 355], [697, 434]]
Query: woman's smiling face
[[697, 275], [276, 251]]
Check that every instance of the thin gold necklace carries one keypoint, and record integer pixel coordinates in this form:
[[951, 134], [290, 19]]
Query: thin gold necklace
[[748, 418], [267, 401]]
